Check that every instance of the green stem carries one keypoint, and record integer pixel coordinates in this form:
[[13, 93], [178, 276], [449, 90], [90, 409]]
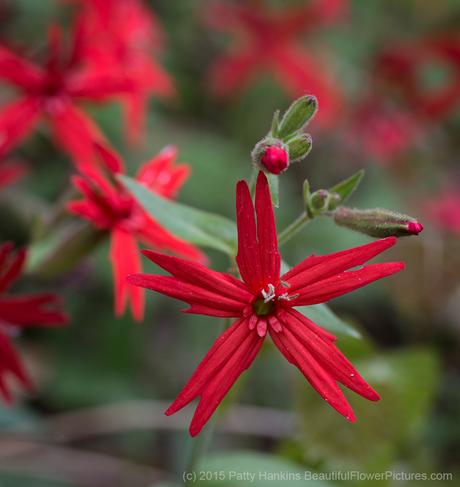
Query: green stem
[[293, 228], [199, 447]]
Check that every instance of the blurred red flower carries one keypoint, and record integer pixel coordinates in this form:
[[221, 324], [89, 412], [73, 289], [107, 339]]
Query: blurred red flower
[[381, 131], [11, 171], [109, 207], [263, 301], [20, 311], [405, 65], [444, 211], [52, 92], [125, 35], [267, 39]]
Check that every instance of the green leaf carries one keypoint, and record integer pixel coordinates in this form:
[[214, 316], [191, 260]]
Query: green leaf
[[297, 115], [323, 316], [193, 225], [347, 187], [239, 468], [273, 182], [63, 249], [406, 382]]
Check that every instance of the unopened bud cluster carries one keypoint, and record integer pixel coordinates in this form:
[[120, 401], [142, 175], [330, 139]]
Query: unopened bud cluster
[[286, 142]]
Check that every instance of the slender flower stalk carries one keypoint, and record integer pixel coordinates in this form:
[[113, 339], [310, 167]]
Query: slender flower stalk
[[109, 207], [263, 303], [19, 311]]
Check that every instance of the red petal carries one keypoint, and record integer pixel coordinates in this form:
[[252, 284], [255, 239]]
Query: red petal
[[315, 268], [199, 275], [233, 72], [199, 309], [77, 134], [223, 348], [216, 388], [32, 310], [328, 355], [184, 291], [312, 371], [125, 258], [9, 274], [11, 364], [343, 283], [17, 120], [161, 175], [10, 172], [300, 73], [266, 232], [248, 258], [153, 234], [306, 322], [18, 71]]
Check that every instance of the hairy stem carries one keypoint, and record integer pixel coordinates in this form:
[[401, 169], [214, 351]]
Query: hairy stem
[[293, 228]]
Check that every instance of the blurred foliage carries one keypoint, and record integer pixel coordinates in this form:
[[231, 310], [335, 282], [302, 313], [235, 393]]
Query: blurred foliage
[[410, 350]]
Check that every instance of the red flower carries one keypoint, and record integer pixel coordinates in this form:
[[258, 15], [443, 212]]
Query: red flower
[[52, 93], [404, 65], [264, 302], [11, 171], [268, 40], [381, 131], [444, 211], [111, 208], [125, 35], [17, 312]]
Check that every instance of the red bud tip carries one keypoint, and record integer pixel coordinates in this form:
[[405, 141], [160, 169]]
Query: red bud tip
[[414, 228], [275, 159]]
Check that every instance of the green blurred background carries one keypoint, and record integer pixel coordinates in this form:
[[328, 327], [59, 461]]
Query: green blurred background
[[102, 383]]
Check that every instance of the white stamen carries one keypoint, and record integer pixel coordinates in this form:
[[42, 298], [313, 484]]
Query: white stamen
[[287, 297], [270, 294]]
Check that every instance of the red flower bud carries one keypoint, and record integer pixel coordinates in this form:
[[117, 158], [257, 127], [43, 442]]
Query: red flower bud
[[275, 159], [414, 228]]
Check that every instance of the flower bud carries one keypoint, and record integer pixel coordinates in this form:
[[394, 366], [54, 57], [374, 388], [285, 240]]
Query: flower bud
[[377, 222], [275, 159], [297, 116], [271, 155], [299, 146]]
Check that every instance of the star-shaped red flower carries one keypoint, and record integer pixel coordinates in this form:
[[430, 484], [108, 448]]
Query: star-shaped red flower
[[52, 93], [263, 302], [17, 312], [126, 35], [109, 207], [269, 40], [404, 65]]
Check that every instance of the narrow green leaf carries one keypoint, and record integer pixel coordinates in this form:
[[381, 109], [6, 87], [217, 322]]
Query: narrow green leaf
[[323, 316], [346, 187], [193, 225], [273, 182], [275, 124], [62, 249]]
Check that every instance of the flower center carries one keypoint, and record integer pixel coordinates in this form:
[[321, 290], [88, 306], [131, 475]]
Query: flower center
[[262, 308]]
